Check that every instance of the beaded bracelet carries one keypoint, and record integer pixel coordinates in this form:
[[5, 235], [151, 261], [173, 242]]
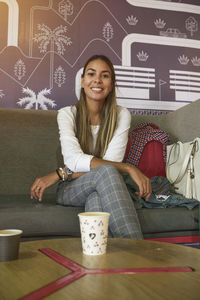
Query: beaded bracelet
[[63, 173], [60, 178]]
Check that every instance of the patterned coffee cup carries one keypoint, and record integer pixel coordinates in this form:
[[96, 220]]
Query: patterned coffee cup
[[94, 232]]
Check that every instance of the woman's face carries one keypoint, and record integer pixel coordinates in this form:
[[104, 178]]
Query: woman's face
[[97, 81]]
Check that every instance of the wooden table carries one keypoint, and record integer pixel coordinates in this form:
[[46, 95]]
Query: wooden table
[[34, 270]]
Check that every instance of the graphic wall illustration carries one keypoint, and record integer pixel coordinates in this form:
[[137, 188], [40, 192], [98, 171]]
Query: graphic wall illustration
[[154, 46]]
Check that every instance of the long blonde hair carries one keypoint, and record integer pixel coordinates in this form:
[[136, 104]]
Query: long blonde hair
[[108, 117]]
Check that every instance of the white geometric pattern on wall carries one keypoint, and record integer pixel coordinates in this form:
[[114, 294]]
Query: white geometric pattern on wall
[[139, 36], [187, 88], [13, 21]]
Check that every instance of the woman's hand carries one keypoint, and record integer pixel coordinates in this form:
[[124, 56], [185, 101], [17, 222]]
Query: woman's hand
[[142, 181], [40, 185]]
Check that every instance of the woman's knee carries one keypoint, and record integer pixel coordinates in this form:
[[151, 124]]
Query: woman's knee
[[107, 173], [107, 170]]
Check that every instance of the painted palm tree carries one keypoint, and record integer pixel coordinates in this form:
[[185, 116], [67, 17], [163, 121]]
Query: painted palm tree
[[1, 94], [39, 100], [53, 37]]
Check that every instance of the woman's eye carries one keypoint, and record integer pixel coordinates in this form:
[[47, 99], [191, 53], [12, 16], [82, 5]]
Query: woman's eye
[[90, 74], [105, 76]]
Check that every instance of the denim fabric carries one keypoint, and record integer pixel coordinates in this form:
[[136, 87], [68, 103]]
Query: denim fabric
[[161, 197], [173, 200]]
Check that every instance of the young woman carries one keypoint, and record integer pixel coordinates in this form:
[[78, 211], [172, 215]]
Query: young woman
[[93, 137]]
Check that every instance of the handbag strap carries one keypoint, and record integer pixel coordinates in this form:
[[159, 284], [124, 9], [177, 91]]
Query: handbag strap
[[191, 150], [199, 222]]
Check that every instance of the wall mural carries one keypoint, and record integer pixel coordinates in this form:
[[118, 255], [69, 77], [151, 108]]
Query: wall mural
[[154, 46]]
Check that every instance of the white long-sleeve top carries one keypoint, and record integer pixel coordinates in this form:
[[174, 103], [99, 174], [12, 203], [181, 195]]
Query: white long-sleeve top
[[74, 158]]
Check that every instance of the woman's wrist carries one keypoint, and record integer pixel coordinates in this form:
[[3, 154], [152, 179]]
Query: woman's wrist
[[61, 174], [77, 174], [128, 168]]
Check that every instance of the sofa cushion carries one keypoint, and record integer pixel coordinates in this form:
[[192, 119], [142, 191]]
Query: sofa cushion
[[39, 219], [49, 219], [174, 219]]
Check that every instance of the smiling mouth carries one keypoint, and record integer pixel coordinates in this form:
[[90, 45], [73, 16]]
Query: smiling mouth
[[97, 89]]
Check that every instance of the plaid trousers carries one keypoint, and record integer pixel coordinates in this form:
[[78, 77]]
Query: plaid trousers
[[103, 189]]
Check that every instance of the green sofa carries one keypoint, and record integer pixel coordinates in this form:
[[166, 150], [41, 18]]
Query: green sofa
[[29, 148]]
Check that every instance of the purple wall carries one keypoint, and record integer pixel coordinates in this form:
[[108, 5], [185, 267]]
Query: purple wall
[[154, 46]]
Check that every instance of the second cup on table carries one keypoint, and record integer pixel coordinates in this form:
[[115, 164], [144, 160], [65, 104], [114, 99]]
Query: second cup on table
[[9, 244]]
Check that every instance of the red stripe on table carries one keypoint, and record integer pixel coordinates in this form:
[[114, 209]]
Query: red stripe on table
[[139, 270], [178, 239], [63, 260], [54, 286], [79, 271]]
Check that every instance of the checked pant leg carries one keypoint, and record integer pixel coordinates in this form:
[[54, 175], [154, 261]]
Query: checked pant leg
[[116, 200], [114, 196], [93, 203]]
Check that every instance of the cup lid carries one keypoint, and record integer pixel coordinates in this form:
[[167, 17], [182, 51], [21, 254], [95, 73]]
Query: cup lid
[[9, 232], [94, 214]]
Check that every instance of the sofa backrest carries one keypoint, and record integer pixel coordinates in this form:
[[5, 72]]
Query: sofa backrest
[[182, 124], [30, 147]]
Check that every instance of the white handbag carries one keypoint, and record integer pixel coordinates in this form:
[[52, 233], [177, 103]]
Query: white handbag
[[183, 168]]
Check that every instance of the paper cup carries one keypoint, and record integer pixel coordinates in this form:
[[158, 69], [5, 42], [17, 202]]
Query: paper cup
[[94, 232], [9, 244]]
